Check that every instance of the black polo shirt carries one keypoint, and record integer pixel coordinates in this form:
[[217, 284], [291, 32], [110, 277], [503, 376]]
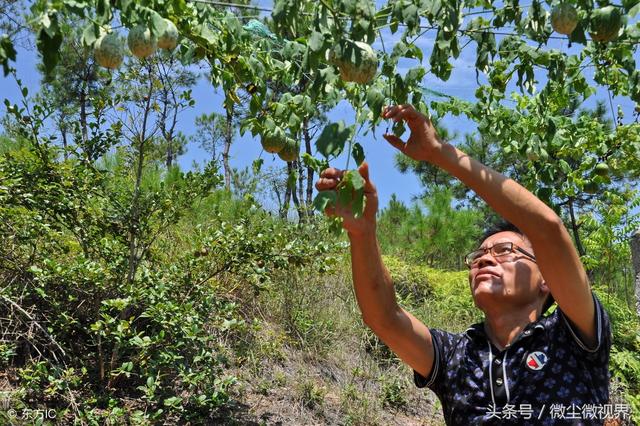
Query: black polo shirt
[[546, 376]]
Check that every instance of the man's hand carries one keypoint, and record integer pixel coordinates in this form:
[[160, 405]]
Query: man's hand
[[363, 225], [422, 142]]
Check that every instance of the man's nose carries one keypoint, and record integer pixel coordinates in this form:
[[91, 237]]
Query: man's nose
[[486, 259]]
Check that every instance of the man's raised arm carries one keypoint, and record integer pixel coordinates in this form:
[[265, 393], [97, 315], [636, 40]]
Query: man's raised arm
[[405, 335], [556, 256]]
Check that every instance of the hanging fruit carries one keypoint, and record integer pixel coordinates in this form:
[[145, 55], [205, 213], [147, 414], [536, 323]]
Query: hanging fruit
[[591, 187], [356, 61], [602, 169], [290, 150], [169, 37], [605, 23], [564, 18], [108, 51], [273, 141], [141, 42]]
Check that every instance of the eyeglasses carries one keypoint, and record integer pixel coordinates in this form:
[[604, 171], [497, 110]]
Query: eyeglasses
[[498, 251]]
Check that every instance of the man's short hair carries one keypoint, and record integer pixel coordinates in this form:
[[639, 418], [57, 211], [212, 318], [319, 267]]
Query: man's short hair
[[504, 226], [501, 226]]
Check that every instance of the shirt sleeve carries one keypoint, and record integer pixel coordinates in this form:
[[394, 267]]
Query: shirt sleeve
[[443, 343], [603, 330]]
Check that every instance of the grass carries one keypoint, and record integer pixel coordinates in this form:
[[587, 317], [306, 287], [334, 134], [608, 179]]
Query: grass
[[311, 359]]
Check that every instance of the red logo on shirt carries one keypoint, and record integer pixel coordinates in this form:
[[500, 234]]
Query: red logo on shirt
[[536, 360]]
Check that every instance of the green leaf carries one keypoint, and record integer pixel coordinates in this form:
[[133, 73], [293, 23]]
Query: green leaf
[[125, 5], [577, 35], [414, 52], [294, 122], [415, 75], [355, 178], [269, 125], [332, 139], [316, 41], [90, 34], [75, 7], [544, 193], [103, 10], [357, 152], [7, 53], [631, 7], [565, 167], [280, 110], [172, 401], [400, 49], [314, 163], [257, 165], [375, 100], [292, 179], [357, 203], [351, 192], [49, 48], [207, 34], [410, 16], [45, 21], [158, 24], [443, 44], [324, 199], [344, 192]]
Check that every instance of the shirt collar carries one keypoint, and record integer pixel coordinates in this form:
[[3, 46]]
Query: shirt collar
[[477, 331]]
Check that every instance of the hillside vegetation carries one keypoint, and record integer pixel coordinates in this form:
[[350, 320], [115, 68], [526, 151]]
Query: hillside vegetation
[[231, 314]]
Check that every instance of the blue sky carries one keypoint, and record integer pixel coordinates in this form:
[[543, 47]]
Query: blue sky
[[379, 153]]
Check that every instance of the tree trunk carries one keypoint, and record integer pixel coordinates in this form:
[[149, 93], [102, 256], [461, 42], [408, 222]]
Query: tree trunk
[[285, 206], [287, 195], [228, 138], [169, 161], [303, 208], [63, 130], [307, 145], [291, 167], [133, 227], [635, 256], [166, 134], [83, 122], [574, 229], [576, 236], [276, 190], [169, 134]]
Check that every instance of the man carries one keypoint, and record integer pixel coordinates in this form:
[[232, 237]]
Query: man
[[517, 366]]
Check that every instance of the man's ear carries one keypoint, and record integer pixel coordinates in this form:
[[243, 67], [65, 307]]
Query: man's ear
[[544, 287], [548, 297]]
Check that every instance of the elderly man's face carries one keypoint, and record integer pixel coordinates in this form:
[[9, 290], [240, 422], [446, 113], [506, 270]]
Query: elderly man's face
[[512, 278]]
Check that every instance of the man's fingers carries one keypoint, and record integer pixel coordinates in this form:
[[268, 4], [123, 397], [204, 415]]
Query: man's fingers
[[405, 113], [391, 110], [364, 171], [329, 179], [397, 112], [395, 141], [331, 172], [324, 184]]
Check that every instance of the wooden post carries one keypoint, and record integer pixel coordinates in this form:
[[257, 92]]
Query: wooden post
[[635, 256]]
